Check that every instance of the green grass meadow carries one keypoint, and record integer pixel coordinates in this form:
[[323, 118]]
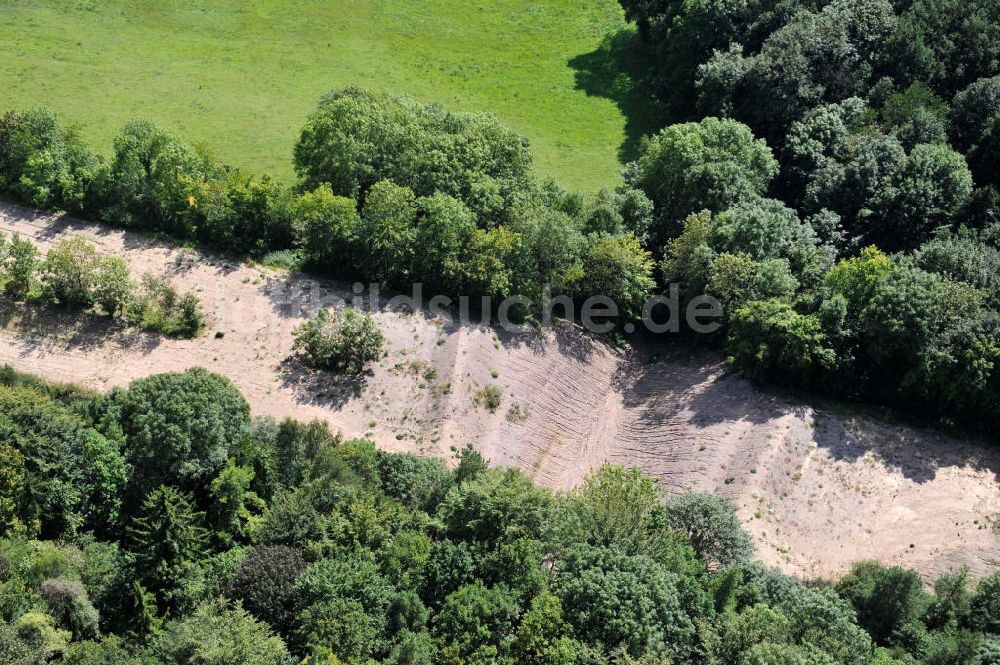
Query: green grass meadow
[[241, 77]]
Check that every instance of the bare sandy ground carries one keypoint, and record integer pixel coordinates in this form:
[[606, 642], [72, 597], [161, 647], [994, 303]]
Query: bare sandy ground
[[818, 490]]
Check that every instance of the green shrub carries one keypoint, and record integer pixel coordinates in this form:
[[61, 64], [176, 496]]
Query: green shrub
[[217, 634], [190, 318], [43, 163], [69, 273], [158, 307], [74, 274], [113, 286], [20, 266], [287, 259], [341, 341], [489, 398]]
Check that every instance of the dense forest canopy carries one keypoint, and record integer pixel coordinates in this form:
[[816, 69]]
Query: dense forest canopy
[[160, 524], [851, 222]]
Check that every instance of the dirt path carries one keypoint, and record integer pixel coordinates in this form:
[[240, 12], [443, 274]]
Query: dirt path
[[817, 490]]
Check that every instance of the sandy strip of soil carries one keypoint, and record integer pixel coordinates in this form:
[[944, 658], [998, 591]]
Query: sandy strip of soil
[[817, 490]]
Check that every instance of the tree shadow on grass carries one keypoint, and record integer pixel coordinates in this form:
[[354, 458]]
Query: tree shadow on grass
[[619, 69]]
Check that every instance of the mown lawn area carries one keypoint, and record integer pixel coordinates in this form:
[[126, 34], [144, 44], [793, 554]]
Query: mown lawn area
[[241, 77]]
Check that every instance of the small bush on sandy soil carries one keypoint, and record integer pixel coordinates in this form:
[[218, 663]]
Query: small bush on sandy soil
[[113, 285], [489, 398], [160, 308], [341, 341], [517, 414], [19, 266], [286, 259]]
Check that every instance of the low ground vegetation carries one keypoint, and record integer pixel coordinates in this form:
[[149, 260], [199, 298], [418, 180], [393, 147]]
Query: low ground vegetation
[[74, 275], [489, 398]]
